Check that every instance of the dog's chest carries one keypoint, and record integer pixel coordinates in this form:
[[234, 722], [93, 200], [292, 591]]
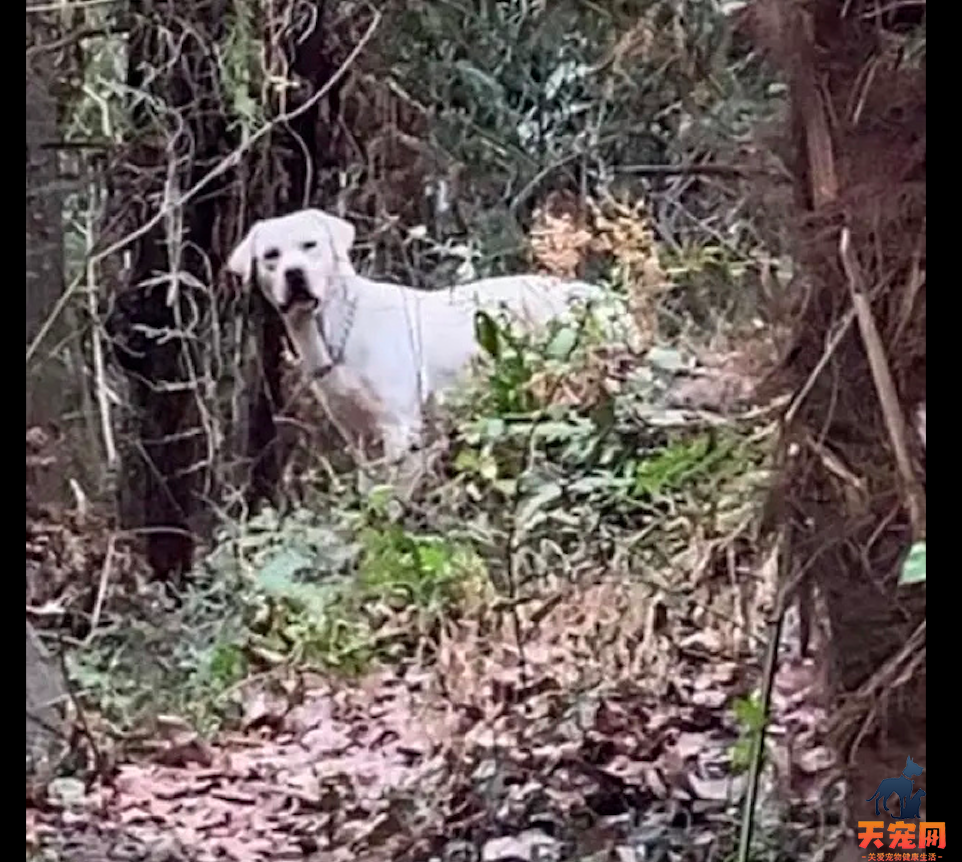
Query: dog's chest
[[310, 351]]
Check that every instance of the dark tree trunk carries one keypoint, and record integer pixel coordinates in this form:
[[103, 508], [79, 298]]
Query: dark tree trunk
[[163, 322], [46, 375], [164, 345], [300, 154]]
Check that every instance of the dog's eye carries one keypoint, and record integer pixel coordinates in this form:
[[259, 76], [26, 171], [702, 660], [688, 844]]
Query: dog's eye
[[307, 246], [272, 254]]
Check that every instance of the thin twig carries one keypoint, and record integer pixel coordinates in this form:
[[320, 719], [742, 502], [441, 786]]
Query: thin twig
[[513, 536], [892, 410], [101, 589], [100, 377], [73, 5], [694, 169], [831, 346], [758, 747], [99, 760]]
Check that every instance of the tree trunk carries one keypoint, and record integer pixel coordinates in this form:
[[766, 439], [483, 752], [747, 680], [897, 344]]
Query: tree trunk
[[166, 320], [46, 377], [300, 153]]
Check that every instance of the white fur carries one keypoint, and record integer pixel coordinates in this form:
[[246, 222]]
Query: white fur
[[399, 346]]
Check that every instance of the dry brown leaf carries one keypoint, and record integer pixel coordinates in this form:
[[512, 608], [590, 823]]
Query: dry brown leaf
[[727, 789]]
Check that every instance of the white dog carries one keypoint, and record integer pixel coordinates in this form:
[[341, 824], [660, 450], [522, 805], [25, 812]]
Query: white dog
[[379, 351]]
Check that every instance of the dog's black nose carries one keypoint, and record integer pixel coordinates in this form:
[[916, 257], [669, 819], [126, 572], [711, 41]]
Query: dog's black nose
[[296, 283]]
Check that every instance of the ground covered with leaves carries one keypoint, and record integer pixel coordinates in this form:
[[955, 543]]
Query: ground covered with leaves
[[552, 650]]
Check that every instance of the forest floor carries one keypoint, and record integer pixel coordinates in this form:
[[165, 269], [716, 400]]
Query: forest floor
[[596, 717]]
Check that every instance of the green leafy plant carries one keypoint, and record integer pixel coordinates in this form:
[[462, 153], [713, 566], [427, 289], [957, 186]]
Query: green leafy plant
[[513, 362], [550, 471], [183, 662], [275, 589], [688, 461], [749, 714], [335, 621], [425, 572]]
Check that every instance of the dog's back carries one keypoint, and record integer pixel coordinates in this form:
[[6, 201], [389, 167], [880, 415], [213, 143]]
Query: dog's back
[[534, 298], [405, 344]]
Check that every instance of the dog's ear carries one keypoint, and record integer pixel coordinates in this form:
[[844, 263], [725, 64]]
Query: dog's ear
[[241, 260], [341, 233]]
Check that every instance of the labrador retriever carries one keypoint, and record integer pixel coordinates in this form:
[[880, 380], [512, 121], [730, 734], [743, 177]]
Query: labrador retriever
[[384, 348]]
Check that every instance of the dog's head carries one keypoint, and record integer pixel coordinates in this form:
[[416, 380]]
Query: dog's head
[[912, 769], [294, 257]]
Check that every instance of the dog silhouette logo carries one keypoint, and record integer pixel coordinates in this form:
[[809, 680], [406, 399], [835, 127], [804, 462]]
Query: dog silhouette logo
[[903, 787]]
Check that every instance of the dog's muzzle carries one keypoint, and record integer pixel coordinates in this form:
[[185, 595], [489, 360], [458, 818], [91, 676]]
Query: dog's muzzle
[[295, 281]]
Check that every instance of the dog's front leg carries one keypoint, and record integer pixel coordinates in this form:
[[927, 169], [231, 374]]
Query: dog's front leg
[[405, 464], [397, 438]]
